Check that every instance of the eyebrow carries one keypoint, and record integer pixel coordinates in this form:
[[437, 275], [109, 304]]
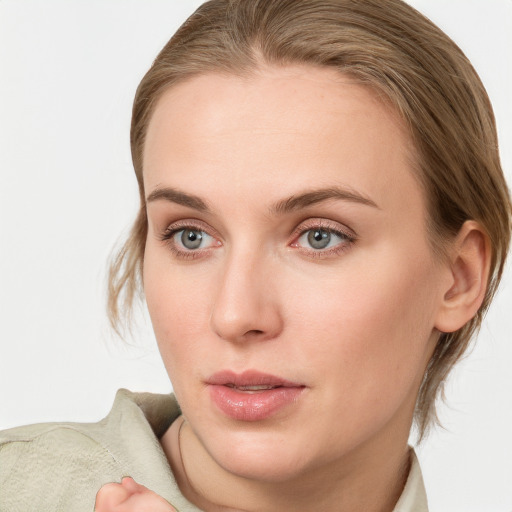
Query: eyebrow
[[309, 198], [176, 196], [290, 204]]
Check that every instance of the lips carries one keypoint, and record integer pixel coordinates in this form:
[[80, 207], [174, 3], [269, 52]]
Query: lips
[[252, 395]]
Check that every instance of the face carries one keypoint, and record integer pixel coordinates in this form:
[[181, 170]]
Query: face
[[287, 270]]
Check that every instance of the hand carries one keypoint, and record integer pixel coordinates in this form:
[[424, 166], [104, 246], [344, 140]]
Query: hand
[[129, 496]]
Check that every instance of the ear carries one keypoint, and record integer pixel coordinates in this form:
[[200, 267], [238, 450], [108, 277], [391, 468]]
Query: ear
[[469, 271]]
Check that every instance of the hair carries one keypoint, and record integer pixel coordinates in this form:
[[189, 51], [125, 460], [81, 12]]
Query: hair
[[388, 46]]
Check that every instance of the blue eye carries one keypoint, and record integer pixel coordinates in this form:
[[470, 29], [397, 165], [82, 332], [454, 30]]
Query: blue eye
[[320, 239], [188, 239], [192, 239]]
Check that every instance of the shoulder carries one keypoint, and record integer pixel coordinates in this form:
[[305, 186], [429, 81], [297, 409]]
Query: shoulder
[[61, 466], [52, 467], [57, 466]]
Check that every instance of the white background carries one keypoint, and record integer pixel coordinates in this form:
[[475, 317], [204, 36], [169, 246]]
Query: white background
[[68, 72]]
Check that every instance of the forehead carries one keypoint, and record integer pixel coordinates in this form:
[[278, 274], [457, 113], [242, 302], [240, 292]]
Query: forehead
[[270, 96], [314, 125]]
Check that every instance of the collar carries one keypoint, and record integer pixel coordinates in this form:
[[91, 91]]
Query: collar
[[138, 420]]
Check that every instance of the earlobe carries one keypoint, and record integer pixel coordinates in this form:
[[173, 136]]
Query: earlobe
[[469, 270]]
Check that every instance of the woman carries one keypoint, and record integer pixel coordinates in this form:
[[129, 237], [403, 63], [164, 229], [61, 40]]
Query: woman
[[311, 212]]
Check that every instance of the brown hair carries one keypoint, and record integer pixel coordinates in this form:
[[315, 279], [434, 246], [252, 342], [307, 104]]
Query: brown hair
[[392, 48]]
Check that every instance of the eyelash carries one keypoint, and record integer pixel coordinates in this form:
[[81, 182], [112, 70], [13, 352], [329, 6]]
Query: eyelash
[[347, 238], [172, 230]]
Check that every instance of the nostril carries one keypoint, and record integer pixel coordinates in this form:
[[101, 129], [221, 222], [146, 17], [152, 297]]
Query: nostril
[[254, 332]]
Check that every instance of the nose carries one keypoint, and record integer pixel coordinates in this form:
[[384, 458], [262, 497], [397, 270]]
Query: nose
[[246, 305]]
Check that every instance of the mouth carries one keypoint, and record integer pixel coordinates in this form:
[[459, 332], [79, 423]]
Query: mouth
[[252, 395], [251, 389], [250, 380]]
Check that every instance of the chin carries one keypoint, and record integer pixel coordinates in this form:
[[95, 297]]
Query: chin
[[264, 467], [257, 455]]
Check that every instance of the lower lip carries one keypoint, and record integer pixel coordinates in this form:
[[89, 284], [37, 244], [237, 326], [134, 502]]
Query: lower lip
[[256, 406]]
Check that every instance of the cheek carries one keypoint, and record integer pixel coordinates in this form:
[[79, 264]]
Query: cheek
[[178, 307], [369, 330]]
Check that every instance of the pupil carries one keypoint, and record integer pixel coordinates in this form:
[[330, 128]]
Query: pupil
[[191, 239], [319, 239]]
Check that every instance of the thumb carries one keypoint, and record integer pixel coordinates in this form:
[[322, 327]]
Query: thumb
[[129, 496], [109, 496], [141, 499], [131, 486]]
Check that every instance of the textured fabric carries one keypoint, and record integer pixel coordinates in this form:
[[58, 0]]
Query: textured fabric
[[414, 498], [57, 467]]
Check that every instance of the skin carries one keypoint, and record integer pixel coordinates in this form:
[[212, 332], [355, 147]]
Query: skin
[[129, 496], [355, 323]]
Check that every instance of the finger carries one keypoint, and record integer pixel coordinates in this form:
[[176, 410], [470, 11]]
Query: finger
[[131, 486], [110, 495], [146, 502]]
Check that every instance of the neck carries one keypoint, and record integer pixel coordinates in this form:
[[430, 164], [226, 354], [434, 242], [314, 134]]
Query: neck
[[371, 479]]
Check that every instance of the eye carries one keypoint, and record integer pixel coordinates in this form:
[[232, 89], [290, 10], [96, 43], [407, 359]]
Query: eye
[[319, 238], [188, 241], [192, 239]]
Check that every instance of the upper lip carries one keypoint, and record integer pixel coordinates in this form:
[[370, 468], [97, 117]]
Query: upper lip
[[249, 378]]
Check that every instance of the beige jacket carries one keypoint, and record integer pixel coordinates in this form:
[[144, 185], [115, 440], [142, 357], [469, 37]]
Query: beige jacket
[[60, 466]]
